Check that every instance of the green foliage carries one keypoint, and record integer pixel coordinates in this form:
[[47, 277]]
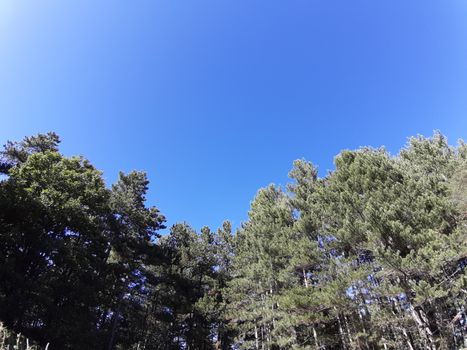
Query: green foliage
[[370, 256]]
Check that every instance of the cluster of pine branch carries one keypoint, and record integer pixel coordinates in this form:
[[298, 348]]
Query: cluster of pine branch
[[370, 256]]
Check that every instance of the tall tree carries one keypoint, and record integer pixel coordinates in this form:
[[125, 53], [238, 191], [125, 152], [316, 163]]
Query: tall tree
[[52, 224]]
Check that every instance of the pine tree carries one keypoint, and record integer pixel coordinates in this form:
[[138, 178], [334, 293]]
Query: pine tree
[[53, 212], [261, 269]]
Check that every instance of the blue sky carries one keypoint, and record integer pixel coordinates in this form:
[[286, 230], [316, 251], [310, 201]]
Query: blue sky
[[216, 98]]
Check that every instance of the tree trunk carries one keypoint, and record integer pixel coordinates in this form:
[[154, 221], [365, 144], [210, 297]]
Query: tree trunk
[[349, 335], [341, 332], [256, 337], [114, 323], [305, 279], [422, 323], [409, 341], [315, 337]]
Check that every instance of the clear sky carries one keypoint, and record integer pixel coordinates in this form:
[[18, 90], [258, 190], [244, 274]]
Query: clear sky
[[216, 98]]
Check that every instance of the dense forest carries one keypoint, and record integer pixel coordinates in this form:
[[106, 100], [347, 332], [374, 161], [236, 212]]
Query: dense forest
[[370, 256]]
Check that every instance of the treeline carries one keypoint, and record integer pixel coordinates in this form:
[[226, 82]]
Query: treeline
[[371, 256]]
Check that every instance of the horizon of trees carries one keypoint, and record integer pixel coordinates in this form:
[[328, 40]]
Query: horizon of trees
[[370, 256]]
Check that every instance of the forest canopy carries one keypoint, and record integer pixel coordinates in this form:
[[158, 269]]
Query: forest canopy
[[370, 256]]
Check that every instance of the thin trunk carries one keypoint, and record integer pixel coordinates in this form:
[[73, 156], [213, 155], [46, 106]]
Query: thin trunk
[[349, 335], [315, 334], [315, 337], [114, 324], [341, 332], [256, 337], [262, 337], [422, 323], [409, 341], [305, 279], [362, 322], [453, 330]]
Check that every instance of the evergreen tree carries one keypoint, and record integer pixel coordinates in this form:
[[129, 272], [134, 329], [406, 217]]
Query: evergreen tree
[[370, 256], [52, 224], [262, 269]]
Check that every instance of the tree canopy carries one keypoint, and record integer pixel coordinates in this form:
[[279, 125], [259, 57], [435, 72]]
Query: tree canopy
[[370, 256]]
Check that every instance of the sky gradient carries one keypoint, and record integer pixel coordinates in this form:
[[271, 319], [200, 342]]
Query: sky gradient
[[215, 99]]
